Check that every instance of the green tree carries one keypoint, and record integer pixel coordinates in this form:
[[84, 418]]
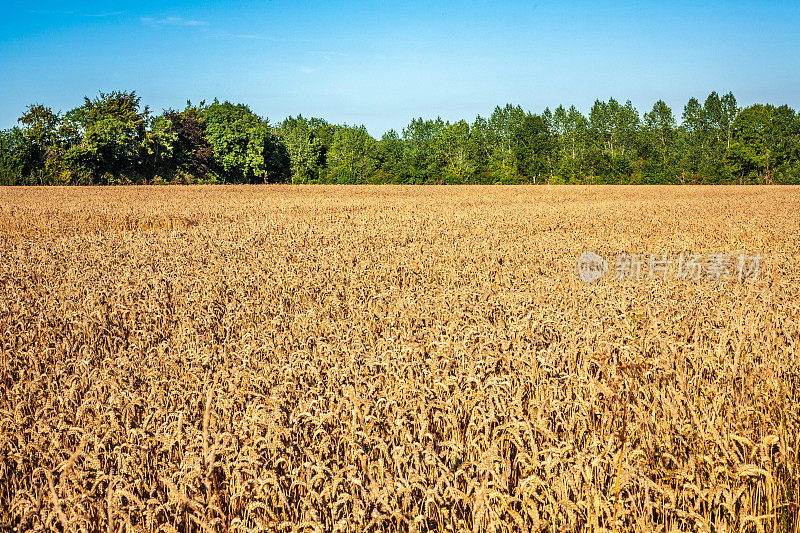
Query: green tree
[[325, 133], [728, 115], [659, 138], [420, 161], [12, 156], [481, 148], [390, 158], [502, 126], [42, 149], [353, 155], [714, 140], [452, 144], [613, 130], [534, 148], [705, 138], [192, 157], [571, 131], [244, 145], [766, 139], [160, 144], [40, 125], [114, 141], [306, 149], [691, 135]]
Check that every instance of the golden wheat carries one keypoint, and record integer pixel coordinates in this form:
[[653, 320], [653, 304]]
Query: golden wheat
[[395, 359]]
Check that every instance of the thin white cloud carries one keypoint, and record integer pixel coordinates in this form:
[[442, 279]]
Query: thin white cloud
[[103, 15], [71, 13], [172, 21], [244, 36], [307, 70], [50, 12], [327, 53]]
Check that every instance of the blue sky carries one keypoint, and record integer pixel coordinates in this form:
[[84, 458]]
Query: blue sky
[[382, 63]]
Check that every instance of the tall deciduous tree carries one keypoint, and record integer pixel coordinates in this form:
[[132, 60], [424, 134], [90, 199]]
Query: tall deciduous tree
[[192, 155], [353, 155], [244, 144], [534, 148], [613, 128], [502, 125], [306, 149], [113, 127], [419, 155], [766, 139], [12, 156], [390, 158], [453, 145], [659, 137]]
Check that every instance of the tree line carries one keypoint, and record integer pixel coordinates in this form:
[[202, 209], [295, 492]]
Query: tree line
[[113, 139]]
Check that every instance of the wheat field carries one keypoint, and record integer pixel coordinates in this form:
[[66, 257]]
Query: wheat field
[[276, 358]]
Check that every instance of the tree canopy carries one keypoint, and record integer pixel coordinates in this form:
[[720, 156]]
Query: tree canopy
[[113, 139]]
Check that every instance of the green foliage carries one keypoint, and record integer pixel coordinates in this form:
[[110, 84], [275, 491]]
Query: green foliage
[[706, 138], [657, 145], [244, 145], [390, 158], [12, 156], [305, 143], [612, 141], [452, 146], [766, 141], [353, 156], [571, 130], [113, 147], [112, 139], [534, 148], [191, 157], [420, 158], [160, 145]]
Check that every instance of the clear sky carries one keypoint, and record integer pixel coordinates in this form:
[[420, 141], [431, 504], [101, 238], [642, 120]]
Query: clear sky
[[382, 63]]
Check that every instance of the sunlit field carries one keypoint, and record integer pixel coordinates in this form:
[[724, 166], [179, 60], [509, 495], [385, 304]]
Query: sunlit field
[[278, 358]]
